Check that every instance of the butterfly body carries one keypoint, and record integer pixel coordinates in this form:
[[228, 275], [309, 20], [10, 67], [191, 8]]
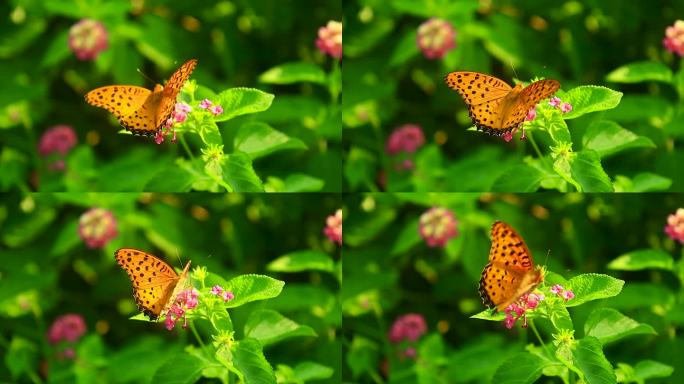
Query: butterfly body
[[510, 272], [495, 107], [139, 110], [155, 284]]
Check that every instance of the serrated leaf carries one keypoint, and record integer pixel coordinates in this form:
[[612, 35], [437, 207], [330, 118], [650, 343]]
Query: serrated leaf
[[608, 138], [590, 98], [586, 170], [609, 325], [270, 327], [249, 359], [242, 101], [181, 368], [247, 288], [259, 139], [589, 358], [519, 369], [239, 173], [593, 286], [649, 369]]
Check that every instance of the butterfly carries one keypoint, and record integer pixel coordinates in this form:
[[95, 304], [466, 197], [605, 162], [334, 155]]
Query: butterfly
[[493, 105], [155, 284], [139, 110], [510, 272]]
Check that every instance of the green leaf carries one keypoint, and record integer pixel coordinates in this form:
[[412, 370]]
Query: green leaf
[[609, 325], [181, 368], [593, 286], [239, 173], [309, 370], [519, 369], [405, 49], [290, 73], [15, 37], [57, 51], [640, 108], [171, 179], [25, 228], [586, 169], [249, 359], [362, 231], [21, 356], [362, 356], [649, 182], [649, 369], [299, 182], [270, 327], [590, 98], [259, 140], [407, 238], [643, 259], [359, 169], [641, 71], [589, 358], [242, 101], [248, 288], [520, 178], [607, 138], [302, 261]]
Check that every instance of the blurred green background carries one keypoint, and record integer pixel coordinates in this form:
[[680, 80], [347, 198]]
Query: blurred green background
[[47, 271], [390, 271]]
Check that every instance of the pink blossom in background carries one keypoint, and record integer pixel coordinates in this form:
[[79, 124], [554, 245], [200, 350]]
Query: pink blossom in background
[[674, 38], [437, 226], [407, 138], [435, 38], [97, 227], [675, 225], [409, 327], [333, 227], [329, 39], [87, 39], [69, 327], [55, 143]]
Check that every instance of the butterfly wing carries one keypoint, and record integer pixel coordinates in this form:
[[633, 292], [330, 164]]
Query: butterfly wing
[[529, 97], [477, 88], [510, 272], [153, 280], [167, 101]]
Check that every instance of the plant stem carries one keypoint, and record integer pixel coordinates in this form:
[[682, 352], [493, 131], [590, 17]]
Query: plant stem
[[534, 329], [197, 336]]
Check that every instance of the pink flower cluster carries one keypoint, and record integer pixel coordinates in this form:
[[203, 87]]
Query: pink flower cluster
[[58, 141], [437, 226], [333, 227], [329, 39], [565, 294], [675, 225], [408, 327], [674, 38], [517, 310], [185, 301], [87, 39], [405, 139], [97, 227], [67, 328], [208, 105], [180, 113], [557, 103], [435, 38], [219, 291]]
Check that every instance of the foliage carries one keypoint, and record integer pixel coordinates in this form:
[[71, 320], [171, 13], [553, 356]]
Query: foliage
[[610, 250], [623, 134], [267, 332], [280, 130]]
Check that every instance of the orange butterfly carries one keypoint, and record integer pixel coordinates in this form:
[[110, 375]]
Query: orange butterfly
[[155, 283], [138, 109], [493, 105], [510, 272]]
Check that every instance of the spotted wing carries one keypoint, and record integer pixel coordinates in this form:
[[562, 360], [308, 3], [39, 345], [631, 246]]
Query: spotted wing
[[477, 88], [529, 97], [153, 280], [171, 89]]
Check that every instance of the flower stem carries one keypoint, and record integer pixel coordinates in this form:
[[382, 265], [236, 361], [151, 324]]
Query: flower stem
[[197, 336], [534, 329]]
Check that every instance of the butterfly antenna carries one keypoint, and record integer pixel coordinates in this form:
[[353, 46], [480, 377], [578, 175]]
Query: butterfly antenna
[[510, 62], [547, 257], [144, 75]]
